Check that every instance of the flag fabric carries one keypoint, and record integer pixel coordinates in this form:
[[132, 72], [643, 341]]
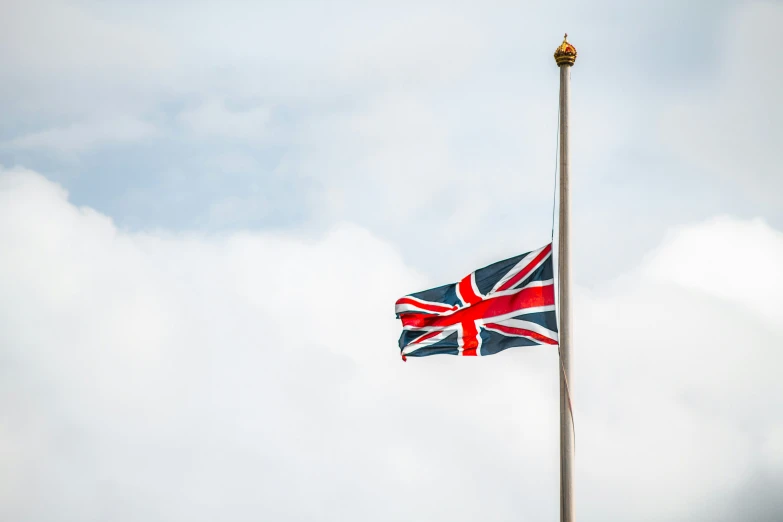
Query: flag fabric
[[504, 305]]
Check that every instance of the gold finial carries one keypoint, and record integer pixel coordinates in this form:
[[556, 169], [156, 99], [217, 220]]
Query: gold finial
[[565, 54]]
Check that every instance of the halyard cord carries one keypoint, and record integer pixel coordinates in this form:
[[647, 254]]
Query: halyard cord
[[554, 185], [568, 396]]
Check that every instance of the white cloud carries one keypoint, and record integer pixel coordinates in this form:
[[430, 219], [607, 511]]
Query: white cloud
[[733, 128], [51, 37], [214, 119], [773, 448], [258, 373], [747, 271], [678, 362], [79, 137], [157, 376]]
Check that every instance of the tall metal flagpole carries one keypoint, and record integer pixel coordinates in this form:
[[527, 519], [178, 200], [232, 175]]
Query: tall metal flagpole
[[565, 56]]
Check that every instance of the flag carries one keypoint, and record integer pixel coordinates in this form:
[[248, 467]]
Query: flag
[[504, 305]]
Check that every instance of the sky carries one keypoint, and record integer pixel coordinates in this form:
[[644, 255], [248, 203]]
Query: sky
[[207, 211]]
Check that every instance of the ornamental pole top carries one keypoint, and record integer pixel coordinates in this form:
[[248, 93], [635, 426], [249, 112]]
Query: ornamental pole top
[[565, 54]]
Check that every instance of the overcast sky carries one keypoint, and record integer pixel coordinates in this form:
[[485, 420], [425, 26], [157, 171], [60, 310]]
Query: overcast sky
[[208, 209]]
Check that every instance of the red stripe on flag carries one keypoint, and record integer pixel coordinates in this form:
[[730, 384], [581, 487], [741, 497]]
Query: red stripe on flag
[[425, 337], [469, 338], [466, 291], [432, 307], [519, 276], [521, 331], [532, 297]]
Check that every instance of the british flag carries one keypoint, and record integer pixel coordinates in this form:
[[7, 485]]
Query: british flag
[[506, 304]]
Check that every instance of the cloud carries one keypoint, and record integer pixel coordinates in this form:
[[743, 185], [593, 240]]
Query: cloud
[[76, 60], [389, 117], [55, 37], [80, 137], [732, 128], [214, 119], [161, 376], [688, 260], [681, 356], [225, 358]]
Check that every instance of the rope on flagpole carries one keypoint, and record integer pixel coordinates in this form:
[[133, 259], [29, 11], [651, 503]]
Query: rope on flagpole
[[554, 185], [568, 396]]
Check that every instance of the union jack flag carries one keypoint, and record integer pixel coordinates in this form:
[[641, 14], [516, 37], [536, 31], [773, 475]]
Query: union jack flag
[[506, 304]]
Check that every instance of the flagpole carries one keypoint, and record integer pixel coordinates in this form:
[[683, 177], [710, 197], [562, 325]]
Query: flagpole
[[565, 56]]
